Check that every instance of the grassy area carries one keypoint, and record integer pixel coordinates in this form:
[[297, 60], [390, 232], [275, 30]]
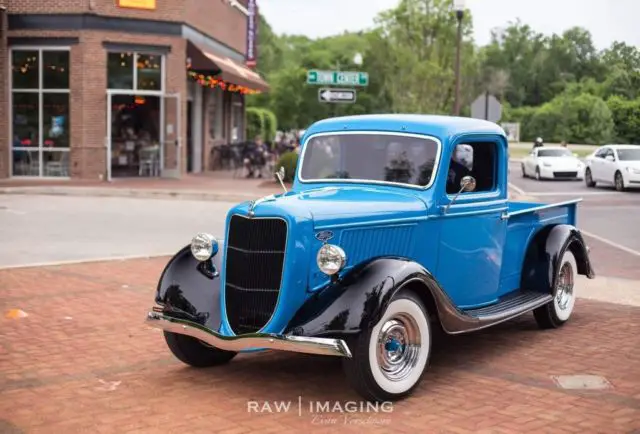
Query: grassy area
[[523, 152]]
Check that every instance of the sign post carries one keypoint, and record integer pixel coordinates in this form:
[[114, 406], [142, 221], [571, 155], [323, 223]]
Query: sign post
[[338, 78], [332, 95], [487, 107]]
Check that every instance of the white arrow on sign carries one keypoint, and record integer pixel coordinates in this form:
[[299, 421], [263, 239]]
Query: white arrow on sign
[[337, 95]]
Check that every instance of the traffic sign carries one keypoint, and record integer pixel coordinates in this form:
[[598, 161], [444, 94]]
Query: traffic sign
[[337, 95], [487, 107], [349, 78]]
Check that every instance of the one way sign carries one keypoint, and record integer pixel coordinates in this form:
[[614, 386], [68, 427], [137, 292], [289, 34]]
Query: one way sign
[[337, 95]]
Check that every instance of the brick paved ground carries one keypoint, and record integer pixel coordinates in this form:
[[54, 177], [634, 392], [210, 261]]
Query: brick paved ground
[[83, 361]]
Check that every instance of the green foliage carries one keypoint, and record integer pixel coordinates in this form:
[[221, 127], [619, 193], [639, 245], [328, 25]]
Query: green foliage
[[288, 160], [270, 124], [626, 117], [255, 122], [582, 119], [554, 85]]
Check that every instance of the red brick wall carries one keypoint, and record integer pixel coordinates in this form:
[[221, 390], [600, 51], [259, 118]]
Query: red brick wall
[[219, 20], [42, 7], [214, 17]]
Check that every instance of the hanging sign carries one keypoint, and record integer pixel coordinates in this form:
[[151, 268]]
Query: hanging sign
[[252, 34]]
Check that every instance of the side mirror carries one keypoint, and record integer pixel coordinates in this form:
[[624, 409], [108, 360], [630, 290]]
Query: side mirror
[[468, 183], [610, 158]]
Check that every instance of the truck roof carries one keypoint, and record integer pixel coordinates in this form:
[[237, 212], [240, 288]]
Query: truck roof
[[432, 125]]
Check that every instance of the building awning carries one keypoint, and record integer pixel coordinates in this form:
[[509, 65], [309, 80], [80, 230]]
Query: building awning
[[205, 60]]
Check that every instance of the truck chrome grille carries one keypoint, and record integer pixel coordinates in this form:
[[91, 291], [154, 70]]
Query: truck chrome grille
[[254, 264]]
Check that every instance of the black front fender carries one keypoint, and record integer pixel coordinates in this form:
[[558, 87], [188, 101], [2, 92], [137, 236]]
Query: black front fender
[[358, 300], [544, 253], [190, 290]]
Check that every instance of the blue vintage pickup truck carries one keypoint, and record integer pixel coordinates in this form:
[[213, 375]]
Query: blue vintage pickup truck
[[396, 226]]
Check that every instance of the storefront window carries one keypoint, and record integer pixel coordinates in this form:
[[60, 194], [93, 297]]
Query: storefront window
[[149, 72], [120, 70], [55, 118], [26, 119], [135, 71], [25, 69], [40, 112], [55, 69]]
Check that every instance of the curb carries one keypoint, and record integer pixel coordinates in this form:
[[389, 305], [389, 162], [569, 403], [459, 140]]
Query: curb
[[131, 192]]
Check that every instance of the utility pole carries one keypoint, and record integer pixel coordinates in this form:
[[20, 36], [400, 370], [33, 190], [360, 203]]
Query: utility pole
[[459, 8]]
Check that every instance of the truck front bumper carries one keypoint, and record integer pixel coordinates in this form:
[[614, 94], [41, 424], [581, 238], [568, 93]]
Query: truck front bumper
[[272, 341]]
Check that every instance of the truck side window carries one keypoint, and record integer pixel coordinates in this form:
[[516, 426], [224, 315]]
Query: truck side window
[[477, 160]]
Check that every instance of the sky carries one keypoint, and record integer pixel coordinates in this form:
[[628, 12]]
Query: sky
[[607, 20]]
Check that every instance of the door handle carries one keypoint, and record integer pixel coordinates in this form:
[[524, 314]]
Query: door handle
[[504, 216]]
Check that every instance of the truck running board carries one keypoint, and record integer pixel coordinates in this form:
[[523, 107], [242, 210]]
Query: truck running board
[[513, 304], [455, 321]]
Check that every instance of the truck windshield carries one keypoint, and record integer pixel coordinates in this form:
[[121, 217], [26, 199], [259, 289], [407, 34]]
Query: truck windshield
[[629, 154], [554, 153], [370, 157]]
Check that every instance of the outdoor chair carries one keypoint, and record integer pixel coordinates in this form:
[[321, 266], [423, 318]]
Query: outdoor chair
[[58, 167], [149, 161]]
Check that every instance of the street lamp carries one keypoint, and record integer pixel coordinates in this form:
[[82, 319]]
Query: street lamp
[[458, 6]]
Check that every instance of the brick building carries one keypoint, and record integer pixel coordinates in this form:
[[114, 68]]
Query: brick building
[[96, 89]]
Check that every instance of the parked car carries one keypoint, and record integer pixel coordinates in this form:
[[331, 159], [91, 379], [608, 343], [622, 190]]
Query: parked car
[[617, 165], [552, 162], [380, 243]]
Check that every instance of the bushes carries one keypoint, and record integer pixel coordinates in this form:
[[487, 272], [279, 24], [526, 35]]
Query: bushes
[[288, 160], [261, 122], [577, 118], [626, 117]]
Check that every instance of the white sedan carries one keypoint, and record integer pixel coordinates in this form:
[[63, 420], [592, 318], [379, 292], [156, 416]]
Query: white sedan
[[617, 165], [549, 162]]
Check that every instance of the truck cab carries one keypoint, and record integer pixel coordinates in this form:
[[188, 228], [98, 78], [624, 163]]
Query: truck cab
[[395, 225]]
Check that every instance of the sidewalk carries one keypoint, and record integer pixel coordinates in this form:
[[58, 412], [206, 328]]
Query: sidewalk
[[217, 186]]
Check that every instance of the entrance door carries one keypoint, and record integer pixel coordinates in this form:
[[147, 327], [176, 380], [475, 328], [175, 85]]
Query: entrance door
[[133, 135], [171, 149]]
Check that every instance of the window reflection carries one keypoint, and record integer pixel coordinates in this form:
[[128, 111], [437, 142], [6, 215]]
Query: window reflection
[[386, 158], [25, 120], [55, 113], [120, 70], [24, 67], [55, 69], [149, 72]]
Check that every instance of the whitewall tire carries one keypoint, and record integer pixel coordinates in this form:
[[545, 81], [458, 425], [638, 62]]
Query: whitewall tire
[[559, 310], [389, 359]]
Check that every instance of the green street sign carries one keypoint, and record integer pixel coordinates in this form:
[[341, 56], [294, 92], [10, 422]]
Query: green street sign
[[339, 78]]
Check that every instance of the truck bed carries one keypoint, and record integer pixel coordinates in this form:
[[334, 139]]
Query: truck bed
[[525, 219]]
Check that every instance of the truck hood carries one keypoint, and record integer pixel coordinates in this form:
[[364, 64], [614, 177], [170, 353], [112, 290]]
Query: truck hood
[[329, 206], [333, 206]]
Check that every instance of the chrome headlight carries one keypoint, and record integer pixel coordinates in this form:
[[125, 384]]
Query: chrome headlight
[[204, 246], [331, 259]]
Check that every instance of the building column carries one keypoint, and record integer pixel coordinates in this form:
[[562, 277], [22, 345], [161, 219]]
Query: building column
[[5, 140]]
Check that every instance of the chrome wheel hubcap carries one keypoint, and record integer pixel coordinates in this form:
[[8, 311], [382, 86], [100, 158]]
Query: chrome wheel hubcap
[[398, 347], [565, 286]]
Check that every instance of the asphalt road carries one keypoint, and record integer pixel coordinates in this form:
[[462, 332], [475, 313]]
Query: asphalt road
[[38, 230], [45, 229], [604, 212]]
